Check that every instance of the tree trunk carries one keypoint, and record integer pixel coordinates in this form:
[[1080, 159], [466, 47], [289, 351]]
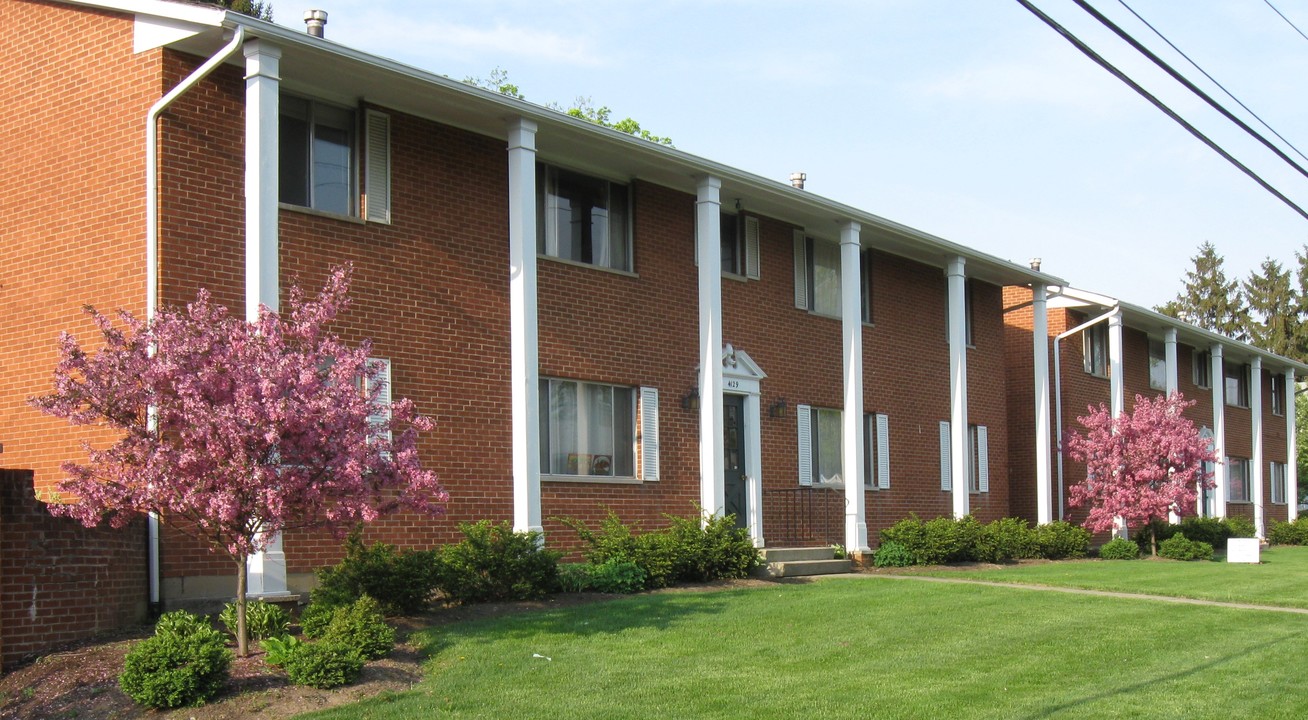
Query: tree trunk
[[1153, 539], [242, 638]]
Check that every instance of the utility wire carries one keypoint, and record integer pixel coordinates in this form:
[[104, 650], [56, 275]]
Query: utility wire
[[1117, 30], [1214, 80], [1090, 53], [1286, 19]]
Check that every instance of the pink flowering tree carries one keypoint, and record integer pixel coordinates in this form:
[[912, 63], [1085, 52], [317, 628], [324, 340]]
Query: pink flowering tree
[[1140, 466], [234, 432]]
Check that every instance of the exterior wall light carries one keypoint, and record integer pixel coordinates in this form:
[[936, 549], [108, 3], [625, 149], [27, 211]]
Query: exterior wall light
[[777, 409], [690, 401]]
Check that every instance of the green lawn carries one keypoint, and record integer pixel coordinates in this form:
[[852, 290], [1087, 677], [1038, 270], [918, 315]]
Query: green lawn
[[1281, 579], [862, 647]]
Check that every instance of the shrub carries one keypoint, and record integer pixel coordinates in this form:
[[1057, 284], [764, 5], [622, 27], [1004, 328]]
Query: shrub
[[617, 577], [892, 554], [935, 541], [1240, 527], [1144, 535], [1119, 549], [262, 619], [1061, 539], [493, 562], [185, 663], [574, 577], [1209, 530], [324, 665], [401, 580], [1004, 540], [277, 650], [1289, 533], [315, 617], [361, 627], [1178, 547]]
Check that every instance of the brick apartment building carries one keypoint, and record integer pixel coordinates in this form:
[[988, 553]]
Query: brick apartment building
[[592, 320]]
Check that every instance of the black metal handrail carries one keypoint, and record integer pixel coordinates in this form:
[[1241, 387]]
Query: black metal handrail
[[804, 516]]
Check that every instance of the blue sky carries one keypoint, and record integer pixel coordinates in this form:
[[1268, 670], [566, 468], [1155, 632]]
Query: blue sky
[[971, 120]]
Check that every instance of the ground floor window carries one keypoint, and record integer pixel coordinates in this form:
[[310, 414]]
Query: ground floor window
[[587, 428], [1237, 480], [1276, 471]]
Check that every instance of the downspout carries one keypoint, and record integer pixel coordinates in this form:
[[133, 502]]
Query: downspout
[[1058, 399], [152, 251]]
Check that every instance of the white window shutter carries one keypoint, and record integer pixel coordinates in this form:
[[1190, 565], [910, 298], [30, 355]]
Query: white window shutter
[[982, 459], [801, 271], [751, 248], [649, 433], [803, 415], [946, 467], [883, 452], [377, 174], [380, 419]]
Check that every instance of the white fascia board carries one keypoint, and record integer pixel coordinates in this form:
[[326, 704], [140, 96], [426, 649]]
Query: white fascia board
[[152, 32], [211, 16]]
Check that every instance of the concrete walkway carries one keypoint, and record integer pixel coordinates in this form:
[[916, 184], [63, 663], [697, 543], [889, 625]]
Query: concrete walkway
[[1074, 591]]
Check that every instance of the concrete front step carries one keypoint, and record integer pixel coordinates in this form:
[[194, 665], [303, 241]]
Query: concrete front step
[[801, 568], [781, 555]]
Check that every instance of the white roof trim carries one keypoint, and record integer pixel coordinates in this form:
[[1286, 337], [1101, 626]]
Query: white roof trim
[[205, 15]]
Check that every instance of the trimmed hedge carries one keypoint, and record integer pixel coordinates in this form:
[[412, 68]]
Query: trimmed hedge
[[1289, 533], [493, 562], [912, 541], [1119, 549], [1178, 547]]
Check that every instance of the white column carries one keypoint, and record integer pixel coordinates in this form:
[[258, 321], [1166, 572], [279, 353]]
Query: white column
[[1291, 449], [524, 358], [1040, 350], [1116, 386], [1217, 378], [851, 323], [708, 214], [1256, 429], [1172, 387], [958, 455], [266, 571]]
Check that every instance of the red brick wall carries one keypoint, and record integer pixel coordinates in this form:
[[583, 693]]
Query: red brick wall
[[59, 581]]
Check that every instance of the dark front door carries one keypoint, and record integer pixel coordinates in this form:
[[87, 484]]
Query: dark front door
[[733, 444]]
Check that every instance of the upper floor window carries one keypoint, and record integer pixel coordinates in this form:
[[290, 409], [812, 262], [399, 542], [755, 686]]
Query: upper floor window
[[1094, 349], [587, 429], [1278, 394], [1203, 369], [865, 278], [1157, 365], [581, 218], [818, 278], [317, 148], [1237, 384]]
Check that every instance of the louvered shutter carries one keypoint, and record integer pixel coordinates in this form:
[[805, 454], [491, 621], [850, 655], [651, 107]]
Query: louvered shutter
[[801, 271], [751, 248], [946, 467], [803, 415], [380, 419], [883, 452], [649, 433], [982, 459], [377, 174]]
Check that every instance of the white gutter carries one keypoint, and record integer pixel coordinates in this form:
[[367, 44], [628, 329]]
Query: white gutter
[[152, 244], [1058, 398]]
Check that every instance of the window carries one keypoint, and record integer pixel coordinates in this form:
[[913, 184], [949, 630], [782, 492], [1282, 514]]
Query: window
[[1237, 474], [1276, 471], [819, 445], [582, 219], [587, 429], [876, 451], [1278, 394], [1094, 348], [1237, 384], [380, 419], [1157, 365], [978, 463], [1203, 369], [731, 251], [865, 278], [317, 154], [817, 278]]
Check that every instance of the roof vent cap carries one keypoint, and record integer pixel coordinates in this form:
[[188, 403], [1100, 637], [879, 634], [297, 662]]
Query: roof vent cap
[[316, 22], [1034, 263], [797, 179]]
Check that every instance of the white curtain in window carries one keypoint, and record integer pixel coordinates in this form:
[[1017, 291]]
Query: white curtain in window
[[826, 278], [828, 446]]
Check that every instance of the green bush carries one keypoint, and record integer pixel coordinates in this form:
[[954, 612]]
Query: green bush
[[185, 663], [616, 541], [401, 580], [1178, 547], [262, 619], [1004, 540], [315, 617], [277, 650], [1289, 533], [892, 554], [616, 577], [1119, 549], [935, 541], [1060, 540], [324, 665], [1240, 527], [1161, 529], [360, 626], [1209, 530], [574, 577], [493, 562]]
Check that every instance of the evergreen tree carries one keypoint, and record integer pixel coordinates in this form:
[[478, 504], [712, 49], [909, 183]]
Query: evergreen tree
[[1209, 300], [1273, 309]]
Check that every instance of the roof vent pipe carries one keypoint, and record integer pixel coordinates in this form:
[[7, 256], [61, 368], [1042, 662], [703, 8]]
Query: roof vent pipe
[[1035, 264], [797, 179], [316, 20]]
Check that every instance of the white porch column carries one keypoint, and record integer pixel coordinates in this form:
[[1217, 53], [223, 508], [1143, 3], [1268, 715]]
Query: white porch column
[[1291, 449], [851, 323], [266, 571], [1172, 387], [708, 210], [958, 455], [1256, 429], [1040, 350], [524, 365], [1116, 386], [1217, 377]]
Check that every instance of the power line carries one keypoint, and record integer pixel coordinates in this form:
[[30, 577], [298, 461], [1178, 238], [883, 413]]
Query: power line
[[1117, 30], [1213, 79], [1090, 53], [1286, 19]]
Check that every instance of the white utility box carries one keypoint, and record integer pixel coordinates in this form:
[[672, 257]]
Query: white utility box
[[1242, 550]]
